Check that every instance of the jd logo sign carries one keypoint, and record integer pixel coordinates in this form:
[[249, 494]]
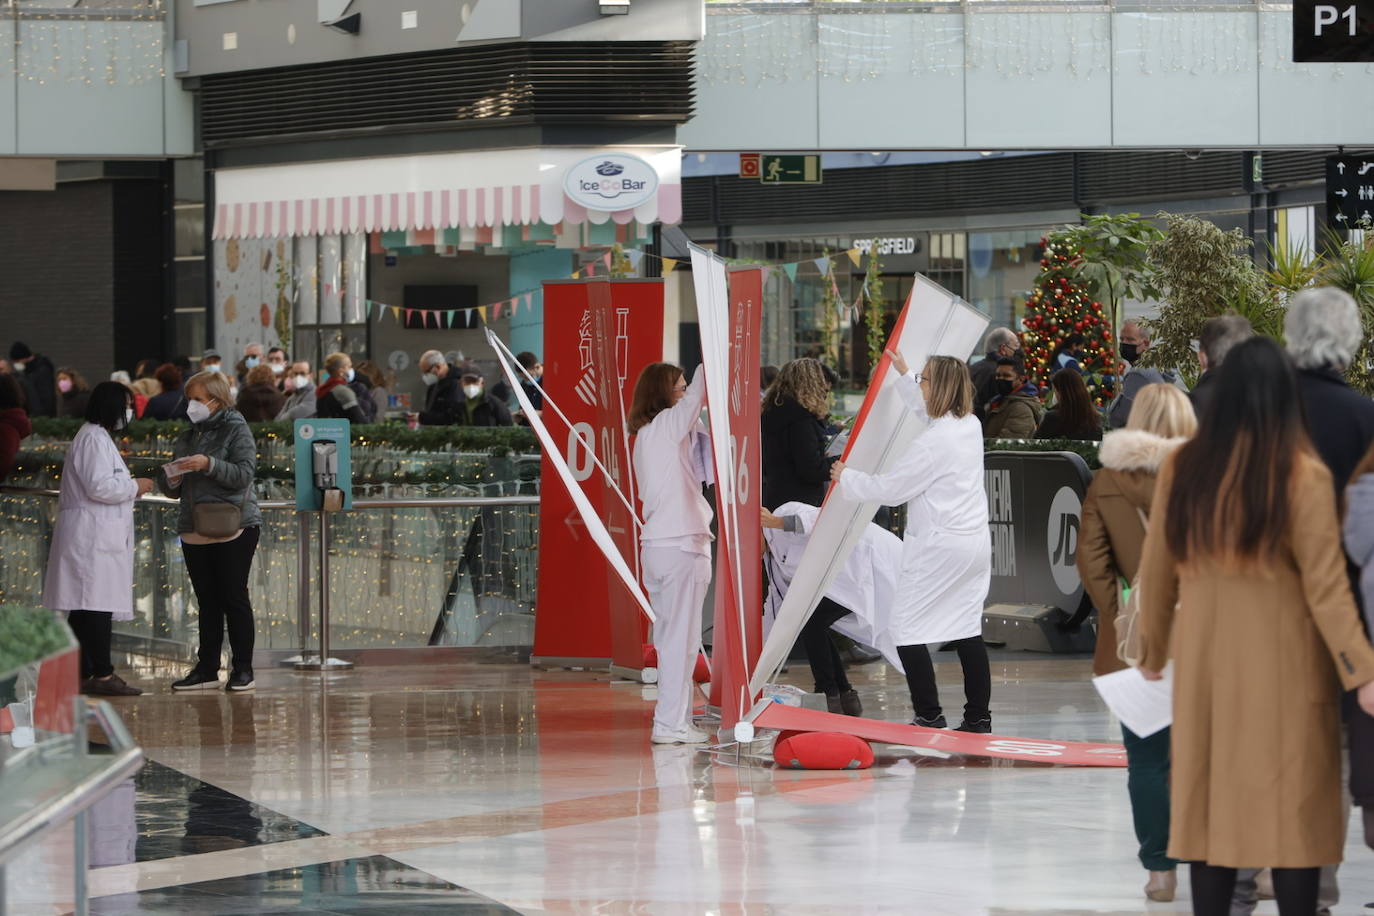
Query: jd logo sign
[[615, 181], [1061, 538], [1333, 31]]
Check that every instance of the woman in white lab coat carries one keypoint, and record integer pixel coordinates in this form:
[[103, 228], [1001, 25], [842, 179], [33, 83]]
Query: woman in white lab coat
[[670, 466], [90, 572], [858, 602], [947, 553]]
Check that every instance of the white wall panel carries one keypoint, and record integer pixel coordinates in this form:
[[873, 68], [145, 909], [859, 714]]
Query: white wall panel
[[1185, 79], [891, 80], [756, 84], [1310, 104], [1041, 80]]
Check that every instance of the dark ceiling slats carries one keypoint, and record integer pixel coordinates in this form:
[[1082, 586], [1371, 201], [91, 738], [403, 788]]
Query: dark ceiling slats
[[541, 83]]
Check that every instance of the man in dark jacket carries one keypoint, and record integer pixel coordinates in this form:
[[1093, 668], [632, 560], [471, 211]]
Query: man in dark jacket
[[1002, 343], [344, 394], [479, 408], [443, 394], [1219, 335], [38, 378]]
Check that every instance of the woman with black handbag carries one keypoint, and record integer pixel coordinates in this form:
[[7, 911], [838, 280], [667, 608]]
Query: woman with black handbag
[[212, 474]]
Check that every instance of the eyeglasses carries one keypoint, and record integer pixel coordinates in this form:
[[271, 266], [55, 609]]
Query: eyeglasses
[[920, 378]]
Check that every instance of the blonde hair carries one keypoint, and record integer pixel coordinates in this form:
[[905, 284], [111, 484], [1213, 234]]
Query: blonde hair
[[802, 380], [1163, 410], [951, 388], [215, 384]]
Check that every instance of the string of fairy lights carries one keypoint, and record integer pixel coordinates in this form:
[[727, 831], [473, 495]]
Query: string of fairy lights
[[391, 569], [120, 43]]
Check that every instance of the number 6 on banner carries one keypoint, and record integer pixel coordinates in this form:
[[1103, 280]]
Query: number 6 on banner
[[741, 469]]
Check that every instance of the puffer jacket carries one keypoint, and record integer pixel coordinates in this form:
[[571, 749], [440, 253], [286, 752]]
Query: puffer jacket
[[1112, 539], [226, 440], [1359, 538]]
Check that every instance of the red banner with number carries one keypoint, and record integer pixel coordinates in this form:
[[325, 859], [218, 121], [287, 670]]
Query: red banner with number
[[577, 613], [738, 632]]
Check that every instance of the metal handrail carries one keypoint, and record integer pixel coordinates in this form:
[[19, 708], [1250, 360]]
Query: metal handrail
[[441, 502], [128, 757]]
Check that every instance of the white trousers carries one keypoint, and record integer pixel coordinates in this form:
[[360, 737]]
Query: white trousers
[[677, 581]]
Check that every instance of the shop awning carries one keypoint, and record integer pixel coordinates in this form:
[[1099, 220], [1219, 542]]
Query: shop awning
[[488, 188]]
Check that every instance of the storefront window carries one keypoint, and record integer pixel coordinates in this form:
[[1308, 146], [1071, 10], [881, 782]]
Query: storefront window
[[1002, 267]]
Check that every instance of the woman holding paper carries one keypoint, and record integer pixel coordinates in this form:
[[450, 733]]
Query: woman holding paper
[[947, 552], [91, 564], [1244, 588], [216, 461], [1115, 514], [671, 462]]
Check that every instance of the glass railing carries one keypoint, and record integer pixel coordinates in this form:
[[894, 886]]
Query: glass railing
[[405, 571]]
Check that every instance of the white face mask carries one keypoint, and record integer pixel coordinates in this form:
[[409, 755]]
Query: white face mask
[[430, 378], [213, 367], [251, 362], [350, 375], [233, 392], [128, 418], [301, 382], [277, 368], [198, 412], [472, 391]]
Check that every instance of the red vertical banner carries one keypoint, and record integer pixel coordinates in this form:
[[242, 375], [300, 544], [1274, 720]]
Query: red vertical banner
[[572, 621], [739, 549]]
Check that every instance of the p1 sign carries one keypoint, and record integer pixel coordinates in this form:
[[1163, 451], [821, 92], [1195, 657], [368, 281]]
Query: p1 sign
[[1333, 31]]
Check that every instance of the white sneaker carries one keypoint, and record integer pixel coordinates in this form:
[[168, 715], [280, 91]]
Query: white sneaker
[[687, 735]]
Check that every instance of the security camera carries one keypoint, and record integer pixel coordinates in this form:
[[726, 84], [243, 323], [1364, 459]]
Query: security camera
[[1192, 155], [614, 7], [348, 25]]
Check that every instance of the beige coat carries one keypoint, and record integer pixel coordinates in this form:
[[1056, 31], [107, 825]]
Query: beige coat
[[1259, 657], [1112, 538]]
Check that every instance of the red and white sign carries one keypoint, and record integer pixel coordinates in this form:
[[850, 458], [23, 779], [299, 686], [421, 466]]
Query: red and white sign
[[739, 549], [749, 165], [573, 622], [1066, 753]]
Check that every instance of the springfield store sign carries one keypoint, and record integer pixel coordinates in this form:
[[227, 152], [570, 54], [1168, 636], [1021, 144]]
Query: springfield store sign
[[612, 182]]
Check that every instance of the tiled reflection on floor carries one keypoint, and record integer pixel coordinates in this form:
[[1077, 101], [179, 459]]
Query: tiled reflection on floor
[[540, 791], [180, 816], [372, 885]]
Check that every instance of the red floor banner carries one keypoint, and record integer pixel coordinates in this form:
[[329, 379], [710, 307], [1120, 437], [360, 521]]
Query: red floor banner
[[738, 630], [1066, 753], [573, 623]]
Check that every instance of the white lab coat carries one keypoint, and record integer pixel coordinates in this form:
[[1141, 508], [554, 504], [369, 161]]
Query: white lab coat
[[947, 552], [866, 585], [675, 546], [668, 471], [91, 562]]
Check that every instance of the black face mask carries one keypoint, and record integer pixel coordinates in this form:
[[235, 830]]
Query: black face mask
[[1130, 352], [1005, 386]]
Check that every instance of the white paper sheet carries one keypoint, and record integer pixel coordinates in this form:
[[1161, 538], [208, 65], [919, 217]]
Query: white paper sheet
[[1144, 707]]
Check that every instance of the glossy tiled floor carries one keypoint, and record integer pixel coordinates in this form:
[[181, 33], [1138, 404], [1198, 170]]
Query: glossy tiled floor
[[492, 788]]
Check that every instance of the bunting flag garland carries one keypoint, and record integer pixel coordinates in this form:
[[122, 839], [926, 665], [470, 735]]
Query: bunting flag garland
[[448, 318]]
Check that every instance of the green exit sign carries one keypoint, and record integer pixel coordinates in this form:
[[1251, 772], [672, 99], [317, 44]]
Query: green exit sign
[[789, 169]]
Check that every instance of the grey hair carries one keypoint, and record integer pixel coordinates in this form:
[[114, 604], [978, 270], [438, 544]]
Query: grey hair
[[1140, 329], [1220, 335], [1323, 328], [999, 337], [430, 358]]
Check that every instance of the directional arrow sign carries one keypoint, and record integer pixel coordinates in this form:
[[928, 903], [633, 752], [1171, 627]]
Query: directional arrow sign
[[1346, 192]]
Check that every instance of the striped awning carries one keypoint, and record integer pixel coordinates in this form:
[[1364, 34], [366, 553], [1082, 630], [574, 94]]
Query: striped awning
[[487, 188]]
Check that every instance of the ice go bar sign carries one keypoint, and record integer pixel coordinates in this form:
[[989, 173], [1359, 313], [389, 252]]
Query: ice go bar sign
[[615, 181]]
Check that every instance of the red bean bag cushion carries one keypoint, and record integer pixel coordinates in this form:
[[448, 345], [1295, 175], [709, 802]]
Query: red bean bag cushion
[[702, 673], [822, 751]]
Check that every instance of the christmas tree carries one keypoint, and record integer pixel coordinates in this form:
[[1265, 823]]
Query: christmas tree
[[1057, 308]]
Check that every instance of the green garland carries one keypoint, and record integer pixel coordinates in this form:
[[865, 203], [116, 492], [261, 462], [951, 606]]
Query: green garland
[[497, 440], [28, 635], [1085, 450]]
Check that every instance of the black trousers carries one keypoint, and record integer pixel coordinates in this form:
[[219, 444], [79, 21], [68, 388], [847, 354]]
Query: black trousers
[[92, 630], [826, 666], [1295, 889], [219, 575], [920, 678]]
